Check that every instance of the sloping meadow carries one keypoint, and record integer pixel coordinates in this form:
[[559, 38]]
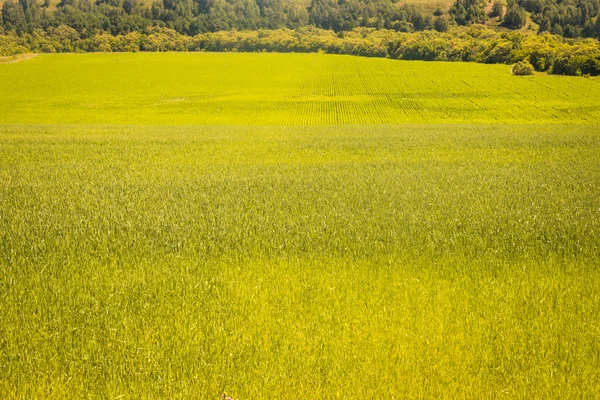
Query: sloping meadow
[[283, 89], [140, 259]]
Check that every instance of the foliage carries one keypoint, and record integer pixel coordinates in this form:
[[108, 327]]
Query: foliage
[[476, 43], [191, 17], [515, 17], [467, 12], [93, 19], [573, 18], [440, 24], [522, 68], [497, 9], [13, 17]]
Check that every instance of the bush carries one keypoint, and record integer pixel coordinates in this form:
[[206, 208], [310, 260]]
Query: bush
[[522, 68]]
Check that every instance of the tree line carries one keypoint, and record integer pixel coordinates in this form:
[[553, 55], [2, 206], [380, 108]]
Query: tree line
[[568, 18], [377, 28], [477, 43], [191, 17]]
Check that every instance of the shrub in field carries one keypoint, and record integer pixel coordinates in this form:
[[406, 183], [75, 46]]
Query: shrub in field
[[522, 68]]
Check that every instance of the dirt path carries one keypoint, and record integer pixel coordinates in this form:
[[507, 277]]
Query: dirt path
[[17, 58]]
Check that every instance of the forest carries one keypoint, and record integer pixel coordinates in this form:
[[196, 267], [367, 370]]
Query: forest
[[560, 37], [568, 18]]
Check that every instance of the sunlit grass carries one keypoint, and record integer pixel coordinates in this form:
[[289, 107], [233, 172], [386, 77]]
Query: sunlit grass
[[299, 262], [283, 89]]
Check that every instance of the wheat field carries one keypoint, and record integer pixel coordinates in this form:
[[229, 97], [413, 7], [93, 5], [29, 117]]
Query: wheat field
[[296, 238], [283, 89]]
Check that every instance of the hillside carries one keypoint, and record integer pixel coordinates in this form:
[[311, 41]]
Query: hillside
[[288, 89], [567, 19], [201, 225]]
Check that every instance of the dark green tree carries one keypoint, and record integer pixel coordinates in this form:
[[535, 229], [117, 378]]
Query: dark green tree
[[467, 12], [545, 25], [440, 24], [515, 16], [13, 17], [557, 29], [571, 31], [497, 9]]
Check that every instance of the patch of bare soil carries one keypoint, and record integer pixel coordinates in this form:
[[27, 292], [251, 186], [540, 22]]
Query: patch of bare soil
[[16, 58]]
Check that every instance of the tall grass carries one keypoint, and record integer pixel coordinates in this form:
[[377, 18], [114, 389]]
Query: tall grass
[[299, 262]]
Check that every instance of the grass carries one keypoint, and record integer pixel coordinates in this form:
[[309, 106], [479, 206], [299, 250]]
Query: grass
[[340, 261], [283, 89]]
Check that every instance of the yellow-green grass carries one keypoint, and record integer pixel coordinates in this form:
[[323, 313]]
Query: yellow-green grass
[[300, 262], [148, 260], [283, 89]]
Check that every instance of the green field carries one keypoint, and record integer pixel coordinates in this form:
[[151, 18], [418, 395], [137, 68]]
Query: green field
[[296, 226], [283, 89]]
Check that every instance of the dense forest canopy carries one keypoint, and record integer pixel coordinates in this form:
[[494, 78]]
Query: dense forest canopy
[[191, 17], [568, 18]]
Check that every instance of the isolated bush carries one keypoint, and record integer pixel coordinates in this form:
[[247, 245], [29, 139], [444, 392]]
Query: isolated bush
[[522, 68]]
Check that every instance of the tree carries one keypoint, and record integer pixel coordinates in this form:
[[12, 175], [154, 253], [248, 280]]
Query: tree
[[571, 32], [545, 25], [515, 17], [497, 9], [588, 28], [557, 29], [467, 12], [13, 17], [32, 11], [319, 13], [440, 24]]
